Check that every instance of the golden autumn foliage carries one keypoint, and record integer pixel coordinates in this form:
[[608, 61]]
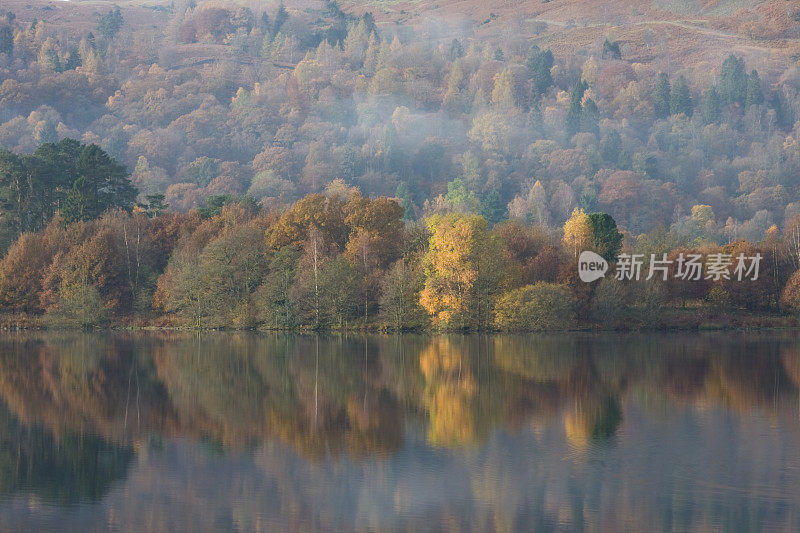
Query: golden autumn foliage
[[450, 265], [347, 261], [577, 232]]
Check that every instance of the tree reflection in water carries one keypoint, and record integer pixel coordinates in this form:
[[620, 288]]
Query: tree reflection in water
[[495, 412]]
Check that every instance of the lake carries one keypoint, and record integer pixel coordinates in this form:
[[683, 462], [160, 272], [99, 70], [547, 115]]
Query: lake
[[243, 431]]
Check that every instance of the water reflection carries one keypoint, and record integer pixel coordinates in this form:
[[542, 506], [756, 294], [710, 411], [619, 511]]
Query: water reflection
[[64, 470], [251, 431]]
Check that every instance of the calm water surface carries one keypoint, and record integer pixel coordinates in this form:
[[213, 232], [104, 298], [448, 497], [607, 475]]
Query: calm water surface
[[250, 432]]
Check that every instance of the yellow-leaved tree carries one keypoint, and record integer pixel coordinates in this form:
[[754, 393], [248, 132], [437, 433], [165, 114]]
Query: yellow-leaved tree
[[503, 93], [577, 231], [451, 270]]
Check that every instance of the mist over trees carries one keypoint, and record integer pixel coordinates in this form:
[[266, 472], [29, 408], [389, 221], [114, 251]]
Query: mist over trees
[[292, 167], [278, 104]]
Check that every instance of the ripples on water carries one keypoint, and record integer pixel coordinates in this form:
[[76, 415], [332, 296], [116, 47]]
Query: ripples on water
[[254, 432]]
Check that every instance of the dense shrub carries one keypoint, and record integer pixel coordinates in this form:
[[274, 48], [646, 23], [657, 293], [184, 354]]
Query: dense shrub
[[541, 306], [79, 305]]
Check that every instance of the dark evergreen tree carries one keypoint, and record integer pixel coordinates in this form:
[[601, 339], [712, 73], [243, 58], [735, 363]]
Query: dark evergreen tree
[[350, 167], [214, 205], [405, 199], [492, 207], [539, 64], [6, 40], [605, 236], [733, 81], [101, 184], [754, 94], [679, 99], [280, 19], [337, 31], [78, 202], [456, 50], [369, 23], [575, 114], [73, 60], [572, 122], [110, 23], [535, 119], [611, 49], [783, 117], [590, 117], [661, 100], [154, 205], [392, 153], [712, 112], [54, 61], [83, 181]]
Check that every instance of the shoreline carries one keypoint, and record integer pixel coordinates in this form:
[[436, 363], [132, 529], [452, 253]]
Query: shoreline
[[739, 321]]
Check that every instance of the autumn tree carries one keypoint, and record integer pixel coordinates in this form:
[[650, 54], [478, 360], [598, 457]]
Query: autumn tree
[[272, 298], [374, 230], [313, 211], [774, 271], [327, 286], [790, 298], [450, 268], [608, 301], [490, 131], [21, 273], [361, 250], [578, 233], [215, 286], [400, 297], [522, 243], [80, 305], [308, 293], [503, 92], [340, 284], [380, 221], [494, 275]]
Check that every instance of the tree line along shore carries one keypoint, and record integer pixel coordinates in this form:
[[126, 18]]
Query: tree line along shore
[[339, 260]]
